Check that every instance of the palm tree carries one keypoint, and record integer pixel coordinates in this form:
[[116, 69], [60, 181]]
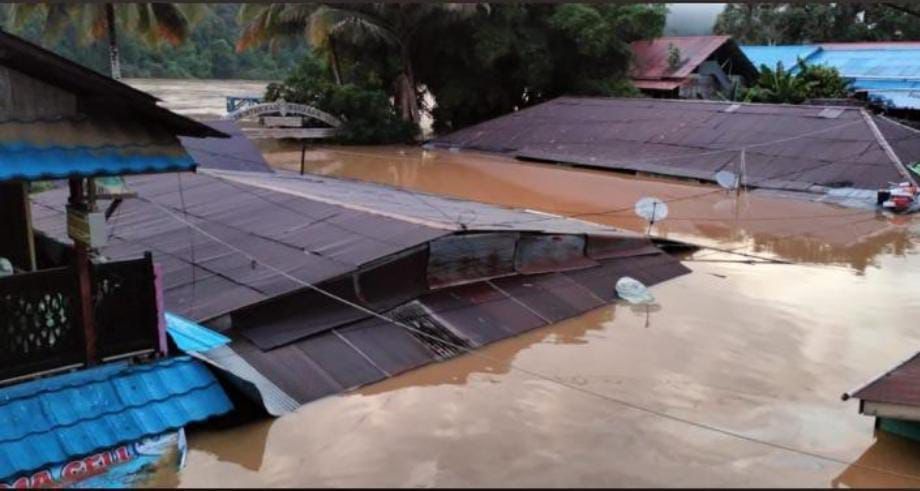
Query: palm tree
[[395, 24], [154, 22]]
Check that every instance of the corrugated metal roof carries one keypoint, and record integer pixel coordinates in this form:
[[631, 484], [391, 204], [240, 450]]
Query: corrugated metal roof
[[888, 71], [650, 57], [234, 153], [51, 420], [191, 337], [31, 163], [375, 245], [313, 228], [108, 95], [788, 55], [476, 314], [797, 148], [900, 385]]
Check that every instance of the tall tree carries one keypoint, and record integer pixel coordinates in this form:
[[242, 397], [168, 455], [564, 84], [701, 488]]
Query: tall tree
[[396, 25], [153, 22], [520, 54]]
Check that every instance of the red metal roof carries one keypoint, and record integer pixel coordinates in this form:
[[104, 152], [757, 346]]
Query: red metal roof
[[651, 57], [901, 385]]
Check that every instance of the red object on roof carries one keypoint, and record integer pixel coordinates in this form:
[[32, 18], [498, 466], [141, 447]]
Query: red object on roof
[[651, 57], [900, 385]]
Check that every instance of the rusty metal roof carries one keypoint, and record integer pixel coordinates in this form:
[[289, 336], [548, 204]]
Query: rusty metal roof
[[900, 385], [650, 57], [798, 148]]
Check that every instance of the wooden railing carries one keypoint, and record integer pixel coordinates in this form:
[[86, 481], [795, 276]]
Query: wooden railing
[[40, 330]]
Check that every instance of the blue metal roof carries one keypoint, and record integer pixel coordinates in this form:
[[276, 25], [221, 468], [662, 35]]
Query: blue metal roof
[[890, 73], [886, 62], [48, 421], [788, 55], [191, 337], [31, 162]]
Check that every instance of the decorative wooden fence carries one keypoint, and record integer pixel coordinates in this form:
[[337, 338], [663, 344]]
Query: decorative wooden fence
[[41, 331]]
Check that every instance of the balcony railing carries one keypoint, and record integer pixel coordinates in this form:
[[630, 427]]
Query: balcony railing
[[41, 331]]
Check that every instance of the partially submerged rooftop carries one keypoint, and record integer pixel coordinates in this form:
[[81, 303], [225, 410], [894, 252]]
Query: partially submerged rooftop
[[466, 272], [795, 148]]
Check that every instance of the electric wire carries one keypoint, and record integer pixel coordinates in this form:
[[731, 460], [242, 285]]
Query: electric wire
[[541, 376]]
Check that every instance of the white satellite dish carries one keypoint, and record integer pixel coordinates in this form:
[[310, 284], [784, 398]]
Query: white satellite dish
[[652, 209], [727, 179], [633, 291]]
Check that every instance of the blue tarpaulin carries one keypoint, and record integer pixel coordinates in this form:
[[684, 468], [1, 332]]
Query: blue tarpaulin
[[52, 420]]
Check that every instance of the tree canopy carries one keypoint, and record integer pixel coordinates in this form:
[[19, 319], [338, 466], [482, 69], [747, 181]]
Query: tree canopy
[[208, 50], [797, 23]]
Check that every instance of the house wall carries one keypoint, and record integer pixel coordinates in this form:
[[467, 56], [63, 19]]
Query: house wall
[[25, 98]]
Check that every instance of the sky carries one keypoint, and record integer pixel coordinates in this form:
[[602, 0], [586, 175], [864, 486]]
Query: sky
[[692, 19]]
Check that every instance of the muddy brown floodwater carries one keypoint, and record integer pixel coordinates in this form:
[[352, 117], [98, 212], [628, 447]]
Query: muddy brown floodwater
[[759, 350]]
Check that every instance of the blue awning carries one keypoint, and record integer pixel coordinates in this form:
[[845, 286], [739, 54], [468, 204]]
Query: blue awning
[[52, 420], [20, 161]]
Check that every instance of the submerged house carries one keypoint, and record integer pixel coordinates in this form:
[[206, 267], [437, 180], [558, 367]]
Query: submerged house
[[894, 399], [84, 366], [411, 278], [887, 72], [836, 151], [690, 67]]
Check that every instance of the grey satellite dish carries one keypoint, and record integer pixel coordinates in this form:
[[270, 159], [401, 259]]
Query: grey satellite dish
[[727, 179], [652, 209]]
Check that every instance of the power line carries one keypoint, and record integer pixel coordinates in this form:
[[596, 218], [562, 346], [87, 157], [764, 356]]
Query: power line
[[536, 374]]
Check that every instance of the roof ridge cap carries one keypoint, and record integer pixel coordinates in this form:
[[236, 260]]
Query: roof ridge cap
[[889, 151]]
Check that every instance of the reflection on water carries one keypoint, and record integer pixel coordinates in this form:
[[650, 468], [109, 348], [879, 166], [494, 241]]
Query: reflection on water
[[792, 229]]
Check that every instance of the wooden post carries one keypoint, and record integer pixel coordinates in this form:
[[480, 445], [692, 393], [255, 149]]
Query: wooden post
[[303, 155], [81, 266]]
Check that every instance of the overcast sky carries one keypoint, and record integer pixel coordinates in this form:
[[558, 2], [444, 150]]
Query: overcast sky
[[691, 19]]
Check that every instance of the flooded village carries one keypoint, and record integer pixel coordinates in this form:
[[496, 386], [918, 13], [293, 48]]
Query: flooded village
[[222, 283]]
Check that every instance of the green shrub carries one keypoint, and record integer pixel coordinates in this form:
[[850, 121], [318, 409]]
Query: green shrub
[[368, 115]]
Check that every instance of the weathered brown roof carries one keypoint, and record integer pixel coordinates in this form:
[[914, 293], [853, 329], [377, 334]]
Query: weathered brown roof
[[801, 148], [98, 92], [650, 57], [467, 272], [901, 385]]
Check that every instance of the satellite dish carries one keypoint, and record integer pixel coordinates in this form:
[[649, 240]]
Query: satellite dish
[[633, 291], [652, 209], [727, 179]]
